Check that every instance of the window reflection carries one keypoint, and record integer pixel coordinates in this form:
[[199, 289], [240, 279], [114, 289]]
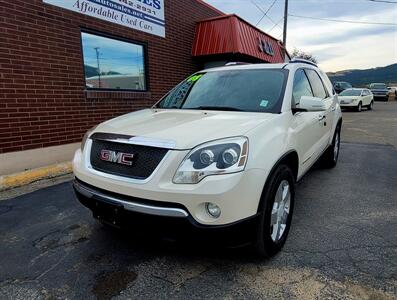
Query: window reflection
[[113, 64]]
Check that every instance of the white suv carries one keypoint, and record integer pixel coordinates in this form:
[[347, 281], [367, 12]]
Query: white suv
[[218, 156]]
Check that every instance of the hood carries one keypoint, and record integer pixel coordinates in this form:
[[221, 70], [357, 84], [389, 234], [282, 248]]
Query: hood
[[348, 97], [184, 128], [379, 90]]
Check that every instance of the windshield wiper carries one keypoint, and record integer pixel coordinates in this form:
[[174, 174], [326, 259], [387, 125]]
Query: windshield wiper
[[225, 108]]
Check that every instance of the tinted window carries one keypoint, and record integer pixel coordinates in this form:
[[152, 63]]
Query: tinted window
[[317, 84], [247, 90], [113, 64], [327, 82], [301, 86]]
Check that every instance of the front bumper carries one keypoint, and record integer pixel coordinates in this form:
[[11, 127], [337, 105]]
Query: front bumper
[[381, 94], [237, 194], [351, 104], [170, 220]]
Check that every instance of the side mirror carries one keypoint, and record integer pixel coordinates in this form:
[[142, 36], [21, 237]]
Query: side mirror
[[308, 103]]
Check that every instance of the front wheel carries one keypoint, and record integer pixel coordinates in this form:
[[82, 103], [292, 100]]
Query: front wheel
[[277, 205], [359, 107]]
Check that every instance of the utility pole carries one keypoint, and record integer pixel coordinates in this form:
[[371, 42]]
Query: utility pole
[[285, 28], [98, 65]]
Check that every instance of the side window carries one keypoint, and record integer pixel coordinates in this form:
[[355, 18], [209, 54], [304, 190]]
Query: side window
[[317, 84], [364, 93], [327, 83], [301, 87]]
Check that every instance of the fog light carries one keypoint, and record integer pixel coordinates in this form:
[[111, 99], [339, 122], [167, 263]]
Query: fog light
[[213, 210]]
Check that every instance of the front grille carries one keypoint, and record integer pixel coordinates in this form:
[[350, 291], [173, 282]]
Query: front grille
[[145, 160]]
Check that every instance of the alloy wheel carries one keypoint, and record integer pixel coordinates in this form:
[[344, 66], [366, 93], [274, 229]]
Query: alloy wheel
[[280, 211], [336, 147]]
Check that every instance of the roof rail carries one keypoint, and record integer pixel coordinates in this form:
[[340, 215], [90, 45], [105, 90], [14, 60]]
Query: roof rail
[[302, 61], [236, 63]]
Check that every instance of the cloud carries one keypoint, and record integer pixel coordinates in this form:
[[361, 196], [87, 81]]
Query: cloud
[[336, 45]]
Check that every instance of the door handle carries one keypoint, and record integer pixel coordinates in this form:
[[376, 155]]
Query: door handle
[[321, 117], [333, 108]]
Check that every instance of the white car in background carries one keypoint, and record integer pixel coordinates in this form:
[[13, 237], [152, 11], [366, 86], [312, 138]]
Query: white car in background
[[218, 156], [357, 99]]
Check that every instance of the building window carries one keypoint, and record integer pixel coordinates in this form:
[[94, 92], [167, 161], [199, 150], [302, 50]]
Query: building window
[[113, 64]]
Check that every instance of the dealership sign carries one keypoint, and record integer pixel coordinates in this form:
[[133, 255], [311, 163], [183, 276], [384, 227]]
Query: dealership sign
[[266, 47], [144, 15]]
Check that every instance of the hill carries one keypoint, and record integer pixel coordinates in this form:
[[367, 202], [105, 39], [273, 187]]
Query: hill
[[386, 74]]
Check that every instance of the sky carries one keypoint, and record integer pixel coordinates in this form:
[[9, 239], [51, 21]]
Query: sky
[[337, 46], [129, 59]]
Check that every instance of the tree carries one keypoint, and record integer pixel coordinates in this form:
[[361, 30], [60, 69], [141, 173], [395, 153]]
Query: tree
[[302, 54]]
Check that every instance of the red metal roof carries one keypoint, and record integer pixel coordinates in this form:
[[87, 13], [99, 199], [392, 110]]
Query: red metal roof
[[230, 34]]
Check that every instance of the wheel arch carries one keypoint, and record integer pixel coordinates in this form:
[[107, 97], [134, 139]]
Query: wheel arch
[[291, 159]]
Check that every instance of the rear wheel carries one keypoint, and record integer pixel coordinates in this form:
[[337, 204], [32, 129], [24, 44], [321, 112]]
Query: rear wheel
[[331, 155], [370, 106], [277, 207]]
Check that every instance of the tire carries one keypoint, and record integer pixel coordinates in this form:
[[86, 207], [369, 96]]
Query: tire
[[370, 106], [359, 107], [278, 193], [331, 155]]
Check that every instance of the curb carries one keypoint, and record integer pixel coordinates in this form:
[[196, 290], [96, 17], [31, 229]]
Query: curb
[[26, 177]]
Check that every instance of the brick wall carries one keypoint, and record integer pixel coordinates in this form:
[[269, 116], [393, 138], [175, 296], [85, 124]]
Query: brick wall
[[43, 101]]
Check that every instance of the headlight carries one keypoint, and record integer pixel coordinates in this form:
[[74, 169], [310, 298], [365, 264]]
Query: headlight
[[215, 158], [85, 137]]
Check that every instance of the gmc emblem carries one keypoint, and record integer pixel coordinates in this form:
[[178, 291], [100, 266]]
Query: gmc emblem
[[117, 157]]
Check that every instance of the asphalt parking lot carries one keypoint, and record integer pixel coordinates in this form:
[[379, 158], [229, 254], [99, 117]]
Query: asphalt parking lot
[[378, 126], [343, 241]]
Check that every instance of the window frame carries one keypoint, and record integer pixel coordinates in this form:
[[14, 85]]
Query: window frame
[[121, 39]]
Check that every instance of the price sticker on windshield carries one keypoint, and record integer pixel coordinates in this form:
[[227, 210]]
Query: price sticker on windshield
[[264, 103]]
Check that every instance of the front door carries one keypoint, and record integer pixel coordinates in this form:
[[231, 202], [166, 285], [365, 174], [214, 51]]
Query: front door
[[307, 126]]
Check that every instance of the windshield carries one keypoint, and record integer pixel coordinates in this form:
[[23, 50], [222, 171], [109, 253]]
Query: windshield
[[378, 86], [233, 90], [351, 93]]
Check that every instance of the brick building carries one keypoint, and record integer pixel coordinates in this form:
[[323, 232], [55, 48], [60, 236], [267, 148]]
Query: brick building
[[65, 69]]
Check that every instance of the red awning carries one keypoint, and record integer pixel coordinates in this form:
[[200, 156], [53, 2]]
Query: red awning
[[230, 34]]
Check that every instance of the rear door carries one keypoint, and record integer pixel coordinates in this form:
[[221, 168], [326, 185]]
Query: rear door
[[325, 118]]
